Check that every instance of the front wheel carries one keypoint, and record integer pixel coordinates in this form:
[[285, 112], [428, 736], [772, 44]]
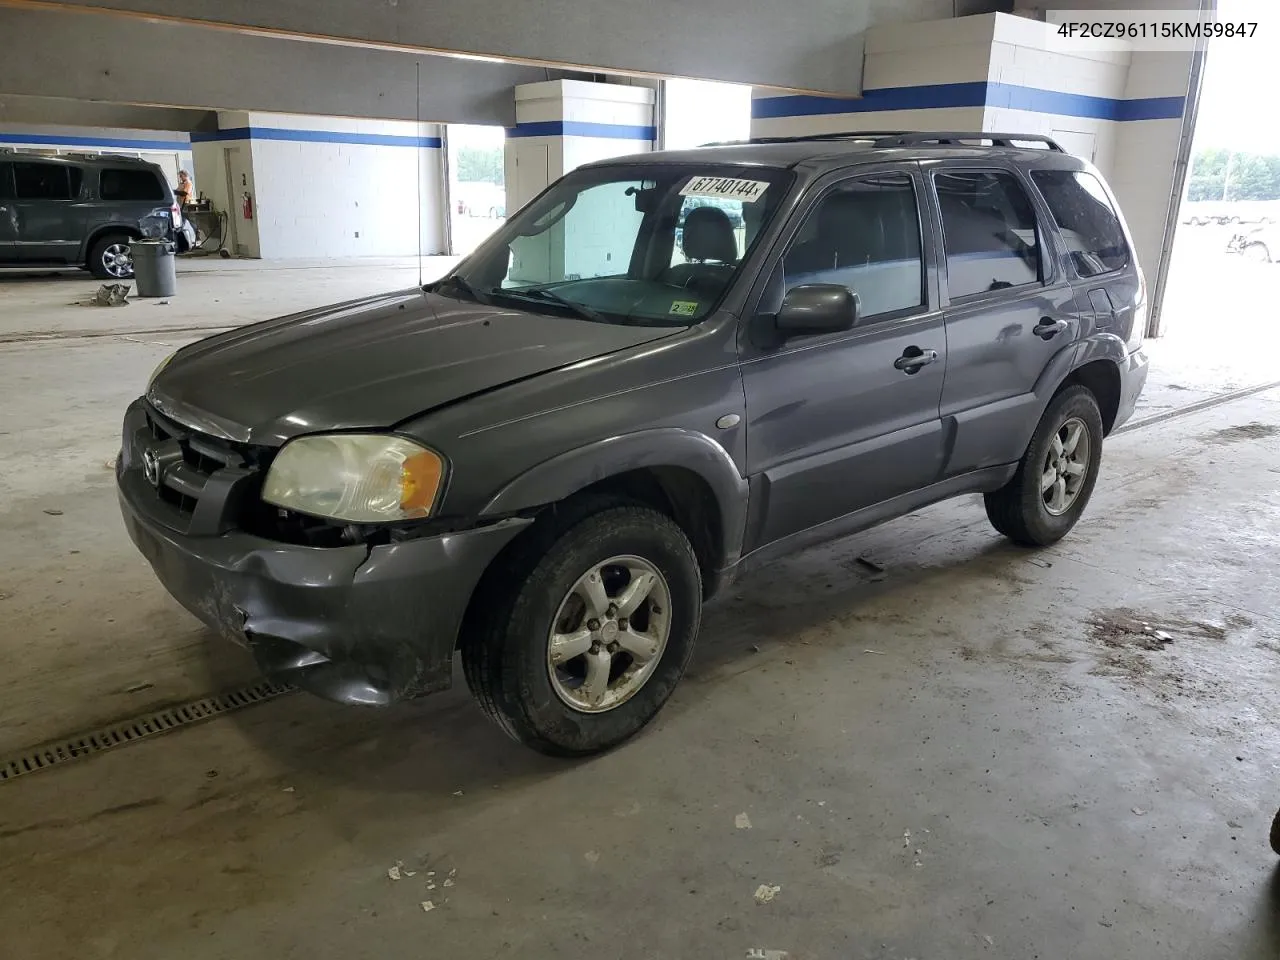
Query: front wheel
[[1055, 477], [1257, 252], [583, 650]]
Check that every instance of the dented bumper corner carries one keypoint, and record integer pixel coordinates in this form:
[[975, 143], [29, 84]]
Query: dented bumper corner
[[359, 624]]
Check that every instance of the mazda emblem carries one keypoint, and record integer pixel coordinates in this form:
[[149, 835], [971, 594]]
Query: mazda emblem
[[151, 467]]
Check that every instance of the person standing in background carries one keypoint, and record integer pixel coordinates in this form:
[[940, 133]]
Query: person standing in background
[[186, 189]]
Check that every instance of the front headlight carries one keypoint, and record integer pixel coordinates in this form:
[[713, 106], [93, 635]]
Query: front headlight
[[362, 478]]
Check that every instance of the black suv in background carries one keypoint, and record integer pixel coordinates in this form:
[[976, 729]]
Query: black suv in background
[[552, 456], [81, 210]]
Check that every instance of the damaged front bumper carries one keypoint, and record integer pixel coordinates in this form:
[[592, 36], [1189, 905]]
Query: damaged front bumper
[[356, 624]]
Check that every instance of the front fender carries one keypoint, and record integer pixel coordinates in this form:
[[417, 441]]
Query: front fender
[[566, 474]]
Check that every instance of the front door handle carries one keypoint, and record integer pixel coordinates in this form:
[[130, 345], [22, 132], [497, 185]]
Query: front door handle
[[1048, 328], [913, 359]]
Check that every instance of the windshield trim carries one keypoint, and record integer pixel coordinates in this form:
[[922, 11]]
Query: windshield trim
[[782, 178]]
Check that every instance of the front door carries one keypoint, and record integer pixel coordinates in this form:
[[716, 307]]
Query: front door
[[50, 215], [1011, 310], [839, 422]]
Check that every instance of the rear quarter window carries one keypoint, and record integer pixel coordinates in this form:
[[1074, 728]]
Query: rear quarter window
[[130, 185], [1087, 221]]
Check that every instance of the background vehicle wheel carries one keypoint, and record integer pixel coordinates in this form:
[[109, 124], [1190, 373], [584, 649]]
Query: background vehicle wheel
[[110, 259], [1257, 252], [1275, 833], [584, 647], [1056, 475]]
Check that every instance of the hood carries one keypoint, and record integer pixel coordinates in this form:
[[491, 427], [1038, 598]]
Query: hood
[[369, 363]]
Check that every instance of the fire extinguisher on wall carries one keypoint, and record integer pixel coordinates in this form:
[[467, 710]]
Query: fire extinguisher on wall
[[246, 207]]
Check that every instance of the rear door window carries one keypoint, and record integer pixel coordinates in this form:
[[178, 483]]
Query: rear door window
[[46, 181], [989, 232], [130, 185], [1086, 218]]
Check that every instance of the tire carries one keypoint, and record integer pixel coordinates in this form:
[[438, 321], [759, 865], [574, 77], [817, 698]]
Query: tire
[[1257, 252], [1021, 509], [105, 257], [1275, 833], [506, 653]]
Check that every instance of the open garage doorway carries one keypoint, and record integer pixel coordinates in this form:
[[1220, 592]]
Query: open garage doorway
[[477, 184], [1217, 320]]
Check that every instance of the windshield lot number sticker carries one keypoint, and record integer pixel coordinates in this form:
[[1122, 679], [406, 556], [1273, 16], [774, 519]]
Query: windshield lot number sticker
[[725, 188], [684, 308]]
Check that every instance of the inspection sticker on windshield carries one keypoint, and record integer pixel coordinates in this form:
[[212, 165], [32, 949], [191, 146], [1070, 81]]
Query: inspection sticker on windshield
[[684, 308], [728, 188]]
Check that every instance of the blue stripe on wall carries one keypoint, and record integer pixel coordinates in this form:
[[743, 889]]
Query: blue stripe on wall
[[316, 136], [59, 140], [577, 128], [976, 94]]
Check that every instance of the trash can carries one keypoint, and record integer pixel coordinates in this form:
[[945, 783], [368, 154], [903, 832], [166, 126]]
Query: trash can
[[154, 267]]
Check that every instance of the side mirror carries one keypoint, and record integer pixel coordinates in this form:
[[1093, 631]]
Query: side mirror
[[817, 308]]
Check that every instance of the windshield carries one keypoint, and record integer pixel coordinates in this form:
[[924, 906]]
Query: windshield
[[652, 245]]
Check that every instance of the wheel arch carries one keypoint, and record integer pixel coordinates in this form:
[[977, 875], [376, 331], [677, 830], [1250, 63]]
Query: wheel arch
[[97, 233], [684, 474]]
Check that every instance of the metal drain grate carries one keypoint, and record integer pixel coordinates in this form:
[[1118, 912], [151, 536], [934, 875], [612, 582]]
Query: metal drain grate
[[139, 728]]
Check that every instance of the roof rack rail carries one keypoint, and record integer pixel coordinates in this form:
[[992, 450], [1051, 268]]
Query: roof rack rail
[[949, 137], [919, 138]]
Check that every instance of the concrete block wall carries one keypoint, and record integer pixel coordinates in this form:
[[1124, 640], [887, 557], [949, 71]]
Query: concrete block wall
[[326, 186], [170, 150], [562, 124]]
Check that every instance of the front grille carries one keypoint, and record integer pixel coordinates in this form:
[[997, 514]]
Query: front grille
[[202, 483]]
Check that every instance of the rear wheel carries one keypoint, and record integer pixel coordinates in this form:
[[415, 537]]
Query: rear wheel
[[586, 646], [1055, 477], [110, 257]]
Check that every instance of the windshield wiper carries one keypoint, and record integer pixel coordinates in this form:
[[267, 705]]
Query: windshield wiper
[[550, 296]]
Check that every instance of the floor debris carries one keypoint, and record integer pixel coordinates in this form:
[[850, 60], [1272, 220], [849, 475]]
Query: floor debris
[[765, 892], [394, 872], [112, 295], [906, 839], [761, 953], [427, 906], [53, 512], [449, 882], [742, 822], [878, 653], [287, 790], [1139, 812], [1039, 563], [591, 856], [869, 564]]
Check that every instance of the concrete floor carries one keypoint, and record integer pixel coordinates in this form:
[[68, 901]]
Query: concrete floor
[[1067, 792]]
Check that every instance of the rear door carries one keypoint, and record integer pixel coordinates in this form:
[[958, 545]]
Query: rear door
[[843, 421], [1097, 247], [8, 215], [50, 214], [1009, 308]]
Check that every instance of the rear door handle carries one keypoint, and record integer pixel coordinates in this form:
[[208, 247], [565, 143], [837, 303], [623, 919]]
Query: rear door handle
[[1049, 328], [913, 359]]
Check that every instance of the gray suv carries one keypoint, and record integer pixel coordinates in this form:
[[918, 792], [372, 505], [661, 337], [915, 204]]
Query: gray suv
[[550, 458], [81, 210]]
